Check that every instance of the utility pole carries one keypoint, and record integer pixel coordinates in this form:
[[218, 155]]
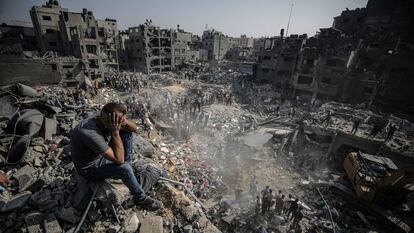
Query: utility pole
[[290, 15]]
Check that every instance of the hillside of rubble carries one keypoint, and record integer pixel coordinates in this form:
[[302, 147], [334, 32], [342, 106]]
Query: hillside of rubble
[[210, 134]]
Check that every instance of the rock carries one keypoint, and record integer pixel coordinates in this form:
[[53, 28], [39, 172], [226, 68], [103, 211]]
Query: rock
[[152, 225], [188, 229], [112, 193], [33, 222], [16, 202], [131, 223], [25, 177], [144, 147], [68, 215], [115, 228], [189, 212], [52, 225], [207, 226]]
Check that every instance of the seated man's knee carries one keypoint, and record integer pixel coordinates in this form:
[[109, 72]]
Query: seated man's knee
[[126, 167]]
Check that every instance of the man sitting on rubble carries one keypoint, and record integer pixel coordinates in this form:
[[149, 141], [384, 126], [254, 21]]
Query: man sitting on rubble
[[97, 160]]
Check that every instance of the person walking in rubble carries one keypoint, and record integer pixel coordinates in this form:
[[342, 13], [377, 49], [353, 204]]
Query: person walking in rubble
[[266, 200], [297, 217], [391, 132], [258, 204], [327, 119], [280, 201], [253, 186], [355, 126], [293, 208], [97, 158]]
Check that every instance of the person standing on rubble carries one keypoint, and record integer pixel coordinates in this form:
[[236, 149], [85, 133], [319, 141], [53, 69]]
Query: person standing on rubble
[[327, 119], [355, 126], [96, 157], [280, 200], [293, 208], [390, 132], [297, 217], [253, 186], [266, 200]]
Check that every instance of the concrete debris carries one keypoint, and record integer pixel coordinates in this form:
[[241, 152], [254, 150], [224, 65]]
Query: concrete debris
[[251, 138], [152, 225], [131, 223]]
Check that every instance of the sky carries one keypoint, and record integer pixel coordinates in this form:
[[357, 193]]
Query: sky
[[255, 18]]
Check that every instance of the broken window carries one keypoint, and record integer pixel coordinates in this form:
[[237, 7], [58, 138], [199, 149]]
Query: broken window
[[305, 80], [65, 16], [93, 64], [335, 62], [307, 61], [91, 49], [101, 32], [47, 17], [326, 80]]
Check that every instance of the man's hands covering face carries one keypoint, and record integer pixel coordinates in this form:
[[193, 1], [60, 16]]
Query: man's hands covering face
[[116, 120]]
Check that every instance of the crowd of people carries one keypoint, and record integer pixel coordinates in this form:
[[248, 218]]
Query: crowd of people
[[279, 204], [125, 82]]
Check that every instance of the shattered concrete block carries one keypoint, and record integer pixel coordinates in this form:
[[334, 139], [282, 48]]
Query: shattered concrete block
[[115, 228], [189, 212], [25, 177], [188, 229], [207, 226], [37, 162], [33, 222], [49, 128], [131, 223], [16, 202], [144, 147], [69, 215], [112, 193], [151, 225], [37, 184], [51, 225]]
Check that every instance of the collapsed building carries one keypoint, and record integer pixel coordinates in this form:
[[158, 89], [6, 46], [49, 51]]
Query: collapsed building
[[81, 35], [152, 49], [354, 60], [210, 131]]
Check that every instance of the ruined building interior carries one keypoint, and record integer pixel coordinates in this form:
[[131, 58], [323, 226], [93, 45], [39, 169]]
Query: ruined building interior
[[282, 133]]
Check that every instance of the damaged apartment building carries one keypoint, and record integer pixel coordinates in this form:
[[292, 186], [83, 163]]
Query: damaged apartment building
[[364, 57], [153, 49], [93, 41], [216, 44], [277, 59]]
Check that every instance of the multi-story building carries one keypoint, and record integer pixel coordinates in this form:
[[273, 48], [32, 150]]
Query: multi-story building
[[150, 48], [46, 20], [322, 64], [246, 42], [21, 34], [76, 34], [277, 59], [217, 44]]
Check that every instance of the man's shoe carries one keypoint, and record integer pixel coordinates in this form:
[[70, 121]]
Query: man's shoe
[[150, 204]]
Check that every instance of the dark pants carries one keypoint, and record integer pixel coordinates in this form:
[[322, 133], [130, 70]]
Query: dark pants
[[107, 169]]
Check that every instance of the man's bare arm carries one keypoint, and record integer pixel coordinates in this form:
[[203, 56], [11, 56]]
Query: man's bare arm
[[129, 126]]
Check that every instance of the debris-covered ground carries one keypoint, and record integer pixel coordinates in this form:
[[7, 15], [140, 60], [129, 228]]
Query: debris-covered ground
[[217, 138]]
